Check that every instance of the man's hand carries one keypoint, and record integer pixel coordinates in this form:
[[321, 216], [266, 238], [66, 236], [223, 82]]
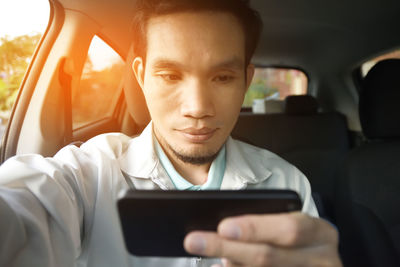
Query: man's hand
[[292, 239]]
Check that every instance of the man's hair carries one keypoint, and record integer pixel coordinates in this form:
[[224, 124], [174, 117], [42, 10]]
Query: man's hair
[[146, 9]]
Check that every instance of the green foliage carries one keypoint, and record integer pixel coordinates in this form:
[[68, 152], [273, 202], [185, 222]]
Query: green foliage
[[258, 89], [15, 55]]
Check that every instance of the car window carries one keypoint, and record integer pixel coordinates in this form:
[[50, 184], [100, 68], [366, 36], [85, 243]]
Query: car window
[[95, 97], [274, 85], [19, 35], [366, 66]]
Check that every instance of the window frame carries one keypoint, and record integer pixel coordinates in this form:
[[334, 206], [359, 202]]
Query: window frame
[[107, 121], [9, 141]]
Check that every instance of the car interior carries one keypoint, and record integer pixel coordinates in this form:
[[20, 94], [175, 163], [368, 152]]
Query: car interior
[[344, 134]]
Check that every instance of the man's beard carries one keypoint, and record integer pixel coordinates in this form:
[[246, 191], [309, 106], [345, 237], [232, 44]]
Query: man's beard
[[194, 159], [190, 158], [199, 158]]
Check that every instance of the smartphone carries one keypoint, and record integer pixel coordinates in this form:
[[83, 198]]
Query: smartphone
[[155, 223]]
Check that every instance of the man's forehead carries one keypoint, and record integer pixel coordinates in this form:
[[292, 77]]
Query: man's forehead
[[179, 37], [160, 18]]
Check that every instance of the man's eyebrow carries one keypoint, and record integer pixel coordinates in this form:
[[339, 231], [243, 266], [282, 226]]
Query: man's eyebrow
[[234, 63], [162, 63]]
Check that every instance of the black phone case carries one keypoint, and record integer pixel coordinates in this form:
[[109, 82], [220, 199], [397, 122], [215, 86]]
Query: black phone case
[[154, 223]]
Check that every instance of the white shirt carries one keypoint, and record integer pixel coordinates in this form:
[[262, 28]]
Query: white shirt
[[61, 211]]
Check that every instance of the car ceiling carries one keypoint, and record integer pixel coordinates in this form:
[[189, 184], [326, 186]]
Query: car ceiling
[[304, 33]]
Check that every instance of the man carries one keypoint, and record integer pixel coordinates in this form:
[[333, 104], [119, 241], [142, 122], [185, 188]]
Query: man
[[193, 65]]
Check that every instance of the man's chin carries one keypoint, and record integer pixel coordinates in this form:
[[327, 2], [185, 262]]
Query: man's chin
[[196, 156], [195, 159], [189, 152]]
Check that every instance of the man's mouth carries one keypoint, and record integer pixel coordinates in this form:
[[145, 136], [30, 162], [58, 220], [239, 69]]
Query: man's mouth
[[198, 135]]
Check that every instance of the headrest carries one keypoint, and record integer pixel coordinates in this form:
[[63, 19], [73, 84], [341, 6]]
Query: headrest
[[301, 105], [273, 106], [379, 106]]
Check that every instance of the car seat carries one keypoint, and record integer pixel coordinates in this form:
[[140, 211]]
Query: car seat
[[313, 141], [368, 190]]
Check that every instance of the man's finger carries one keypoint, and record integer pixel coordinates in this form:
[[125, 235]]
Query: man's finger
[[211, 245], [228, 263], [286, 229], [253, 254]]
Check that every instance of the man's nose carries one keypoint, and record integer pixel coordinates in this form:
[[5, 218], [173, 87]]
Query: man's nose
[[197, 100]]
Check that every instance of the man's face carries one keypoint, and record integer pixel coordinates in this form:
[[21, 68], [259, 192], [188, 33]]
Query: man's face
[[194, 81]]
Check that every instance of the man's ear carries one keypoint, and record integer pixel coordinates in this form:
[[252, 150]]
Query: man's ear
[[137, 67], [249, 75]]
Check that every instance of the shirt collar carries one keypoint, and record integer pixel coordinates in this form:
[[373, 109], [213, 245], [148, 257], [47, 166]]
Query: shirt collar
[[244, 165], [141, 161]]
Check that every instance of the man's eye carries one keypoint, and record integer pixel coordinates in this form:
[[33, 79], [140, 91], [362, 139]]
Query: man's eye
[[170, 77], [223, 78]]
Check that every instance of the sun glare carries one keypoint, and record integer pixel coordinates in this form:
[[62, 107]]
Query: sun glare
[[101, 55], [21, 17]]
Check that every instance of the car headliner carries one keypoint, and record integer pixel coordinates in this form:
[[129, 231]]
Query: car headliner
[[307, 33]]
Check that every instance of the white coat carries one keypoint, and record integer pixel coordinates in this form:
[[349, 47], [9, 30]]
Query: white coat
[[61, 211]]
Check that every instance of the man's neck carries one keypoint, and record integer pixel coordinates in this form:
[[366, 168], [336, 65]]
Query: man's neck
[[194, 174]]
